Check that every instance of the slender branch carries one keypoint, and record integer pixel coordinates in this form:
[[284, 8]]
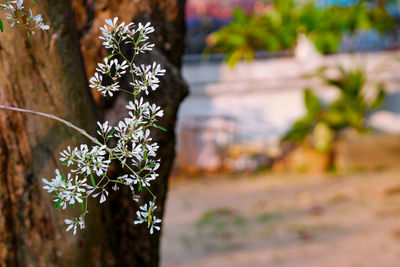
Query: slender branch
[[53, 117]]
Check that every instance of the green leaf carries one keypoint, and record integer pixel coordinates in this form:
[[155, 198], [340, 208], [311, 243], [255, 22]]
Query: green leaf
[[33, 1], [152, 165], [58, 204], [92, 180], [82, 207], [380, 98], [161, 128], [109, 56], [73, 205], [1, 26], [335, 118], [300, 129], [63, 177], [110, 134], [64, 164], [312, 102], [140, 188]]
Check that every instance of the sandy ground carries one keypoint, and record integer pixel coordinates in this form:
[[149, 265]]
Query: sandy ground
[[284, 220]]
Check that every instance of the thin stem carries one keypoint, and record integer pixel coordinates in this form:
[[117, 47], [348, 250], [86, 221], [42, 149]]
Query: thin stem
[[125, 91], [148, 189], [130, 65], [53, 117], [117, 181]]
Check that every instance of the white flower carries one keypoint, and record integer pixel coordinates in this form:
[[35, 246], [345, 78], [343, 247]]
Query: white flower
[[95, 81], [19, 4], [67, 155], [68, 190], [151, 149], [120, 68], [145, 47], [125, 150], [156, 111], [8, 6], [145, 215], [129, 179], [71, 224], [75, 223], [38, 19], [108, 33], [131, 106], [153, 225], [104, 129], [109, 89], [108, 38], [106, 67], [115, 187], [112, 23], [151, 112], [145, 29], [56, 183], [148, 77], [113, 34], [18, 15], [103, 196]]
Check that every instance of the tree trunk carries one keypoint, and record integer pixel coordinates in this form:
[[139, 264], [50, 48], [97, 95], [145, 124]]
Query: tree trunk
[[45, 73], [133, 247]]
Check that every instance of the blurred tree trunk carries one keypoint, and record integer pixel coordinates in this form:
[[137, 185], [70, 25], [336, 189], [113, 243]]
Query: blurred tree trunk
[[46, 73]]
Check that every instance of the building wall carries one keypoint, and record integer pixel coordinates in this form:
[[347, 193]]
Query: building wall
[[256, 102]]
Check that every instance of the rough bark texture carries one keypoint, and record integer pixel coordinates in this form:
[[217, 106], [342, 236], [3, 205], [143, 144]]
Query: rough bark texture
[[43, 73], [51, 79], [133, 247]]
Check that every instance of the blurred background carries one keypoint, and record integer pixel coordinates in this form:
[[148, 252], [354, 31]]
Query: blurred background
[[288, 147]]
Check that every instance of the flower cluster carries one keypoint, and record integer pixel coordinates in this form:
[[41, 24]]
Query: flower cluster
[[128, 143], [114, 35], [18, 15], [67, 190], [85, 161]]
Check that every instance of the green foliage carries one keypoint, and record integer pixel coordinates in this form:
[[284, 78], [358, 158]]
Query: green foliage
[[323, 122], [302, 127], [278, 28]]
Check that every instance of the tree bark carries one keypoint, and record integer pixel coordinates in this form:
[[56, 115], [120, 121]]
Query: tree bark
[[46, 73]]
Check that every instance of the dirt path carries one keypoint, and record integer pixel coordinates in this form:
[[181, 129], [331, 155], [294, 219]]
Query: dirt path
[[285, 221]]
